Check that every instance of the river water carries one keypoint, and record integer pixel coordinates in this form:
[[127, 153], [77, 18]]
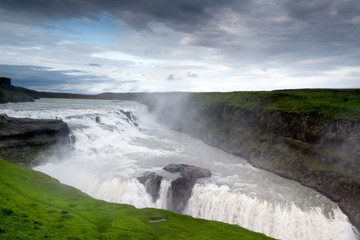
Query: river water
[[114, 142]]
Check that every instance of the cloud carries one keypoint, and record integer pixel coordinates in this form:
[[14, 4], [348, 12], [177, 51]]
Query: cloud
[[273, 30], [152, 41], [170, 78], [192, 75], [94, 65], [45, 79], [182, 15]]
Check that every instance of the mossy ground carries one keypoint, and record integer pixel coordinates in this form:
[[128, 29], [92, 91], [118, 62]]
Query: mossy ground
[[36, 206], [331, 103]]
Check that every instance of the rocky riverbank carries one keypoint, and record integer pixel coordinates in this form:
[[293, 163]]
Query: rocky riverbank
[[23, 139], [297, 135]]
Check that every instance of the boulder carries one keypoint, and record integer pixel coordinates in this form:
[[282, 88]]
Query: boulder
[[181, 188], [188, 171]]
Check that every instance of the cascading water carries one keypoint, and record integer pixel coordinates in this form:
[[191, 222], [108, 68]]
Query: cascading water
[[115, 142]]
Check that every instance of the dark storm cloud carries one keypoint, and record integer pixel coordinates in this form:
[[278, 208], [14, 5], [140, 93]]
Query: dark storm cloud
[[323, 11], [183, 15], [286, 32], [308, 20], [273, 32]]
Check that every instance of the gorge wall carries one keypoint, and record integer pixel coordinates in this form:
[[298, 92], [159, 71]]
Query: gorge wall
[[22, 140], [310, 136]]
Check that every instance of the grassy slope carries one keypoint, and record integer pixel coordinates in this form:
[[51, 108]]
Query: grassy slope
[[36, 206], [4, 96], [332, 103]]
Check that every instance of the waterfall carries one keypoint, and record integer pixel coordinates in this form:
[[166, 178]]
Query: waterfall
[[116, 142], [283, 221]]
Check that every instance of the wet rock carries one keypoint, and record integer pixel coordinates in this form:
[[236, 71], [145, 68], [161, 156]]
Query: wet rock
[[180, 193], [97, 119], [130, 118], [181, 188], [188, 171], [152, 183], [22, 139]]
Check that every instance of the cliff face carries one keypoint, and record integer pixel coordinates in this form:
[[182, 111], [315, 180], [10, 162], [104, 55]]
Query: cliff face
[[23, 139], [316, 146], [10, 93]]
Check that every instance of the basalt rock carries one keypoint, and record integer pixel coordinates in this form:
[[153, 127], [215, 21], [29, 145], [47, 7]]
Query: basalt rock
[[152, 183], [188, 171], [181, 188], [22, 139], [180, 193]]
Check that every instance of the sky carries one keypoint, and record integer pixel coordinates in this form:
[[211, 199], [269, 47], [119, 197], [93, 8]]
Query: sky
[[91, 46]]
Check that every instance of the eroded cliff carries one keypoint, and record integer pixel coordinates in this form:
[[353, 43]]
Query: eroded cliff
[[10, 93], [311, 136], [23, 139]]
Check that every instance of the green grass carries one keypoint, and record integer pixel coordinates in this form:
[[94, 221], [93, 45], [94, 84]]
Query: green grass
[[330, 103], [4, 96], [36, 206]]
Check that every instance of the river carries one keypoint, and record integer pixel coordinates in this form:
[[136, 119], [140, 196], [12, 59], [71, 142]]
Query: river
[[114, 142]]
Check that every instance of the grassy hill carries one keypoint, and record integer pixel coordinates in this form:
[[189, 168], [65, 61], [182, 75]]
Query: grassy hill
[[329, 103], [36, 206]]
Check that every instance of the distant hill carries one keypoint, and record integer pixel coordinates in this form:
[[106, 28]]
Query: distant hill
[[10, 93]]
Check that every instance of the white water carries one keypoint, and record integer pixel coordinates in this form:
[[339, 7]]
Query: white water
[[107, 157]]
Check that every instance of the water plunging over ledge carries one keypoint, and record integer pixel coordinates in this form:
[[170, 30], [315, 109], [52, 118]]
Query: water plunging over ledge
[[115, 142]]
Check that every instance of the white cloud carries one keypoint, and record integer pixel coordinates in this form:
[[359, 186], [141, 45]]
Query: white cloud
[[121, 56]]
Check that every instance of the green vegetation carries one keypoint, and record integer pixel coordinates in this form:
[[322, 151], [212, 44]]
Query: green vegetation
[[330, 103], [4, 96], [2, 121], [36, 206]]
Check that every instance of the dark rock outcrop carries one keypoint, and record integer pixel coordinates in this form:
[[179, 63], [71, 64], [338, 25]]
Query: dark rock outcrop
[[152, 183], [181, 188], [10, 93], [22, 139], [188, 171], [5, 82], [180, 191]]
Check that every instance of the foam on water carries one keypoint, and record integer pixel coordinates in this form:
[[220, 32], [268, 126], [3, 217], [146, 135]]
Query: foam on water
[[110, 151]]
